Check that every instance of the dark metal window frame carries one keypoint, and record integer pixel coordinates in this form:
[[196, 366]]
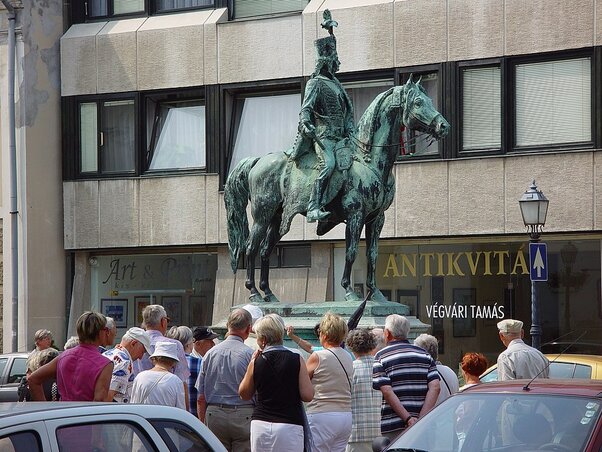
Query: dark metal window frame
[[276, 258], [232, 12]]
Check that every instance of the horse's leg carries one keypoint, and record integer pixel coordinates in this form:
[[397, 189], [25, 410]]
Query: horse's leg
[[255, 238], [273, 237], [373, 231], [352, 239]]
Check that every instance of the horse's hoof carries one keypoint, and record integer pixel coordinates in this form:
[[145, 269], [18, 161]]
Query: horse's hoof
[[271, 298], [352, 296], [378, 296], [255, 298]]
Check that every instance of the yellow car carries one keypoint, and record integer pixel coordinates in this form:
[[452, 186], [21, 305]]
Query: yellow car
[[563, 366]]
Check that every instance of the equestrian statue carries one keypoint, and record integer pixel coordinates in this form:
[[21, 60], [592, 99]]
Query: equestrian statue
[[334, 173]]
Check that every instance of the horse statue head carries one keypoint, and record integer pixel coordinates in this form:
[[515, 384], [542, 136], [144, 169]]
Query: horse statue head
[[419, 112]]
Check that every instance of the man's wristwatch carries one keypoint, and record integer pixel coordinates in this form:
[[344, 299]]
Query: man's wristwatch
[[408, 418]]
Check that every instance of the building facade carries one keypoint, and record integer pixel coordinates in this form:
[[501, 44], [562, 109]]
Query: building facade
[[160, 99]]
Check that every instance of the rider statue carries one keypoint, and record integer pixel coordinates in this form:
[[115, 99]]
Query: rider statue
[[326, 118]]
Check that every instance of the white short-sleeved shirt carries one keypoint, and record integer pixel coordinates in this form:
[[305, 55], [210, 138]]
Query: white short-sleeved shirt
[[153, 387]]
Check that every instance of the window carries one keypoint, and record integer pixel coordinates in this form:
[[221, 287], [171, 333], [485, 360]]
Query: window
[[248, 8], [176, 135], [179, 437], [363, 93], [481, 108], [17, 370], [284, 256], [168, 5], [107, 8], [553, 102], [264, 124], [102, 9], [113, 436], [20, 441], [107, 137]]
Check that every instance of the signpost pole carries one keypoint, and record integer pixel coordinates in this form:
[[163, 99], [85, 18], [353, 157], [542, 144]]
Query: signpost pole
[[535, 330]]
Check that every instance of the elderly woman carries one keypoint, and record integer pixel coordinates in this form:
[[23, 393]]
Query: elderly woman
[[82, 373], [279, 379], [472, 365], [365, 401], [449, 380], [330, 371], [186, 337]]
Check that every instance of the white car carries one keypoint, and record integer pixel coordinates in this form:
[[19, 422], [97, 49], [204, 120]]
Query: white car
[[101, 427]]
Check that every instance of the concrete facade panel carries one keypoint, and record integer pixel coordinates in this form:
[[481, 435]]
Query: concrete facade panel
[[86, 233], [420, 30], [310, 26], [566, 179], [210, 44], [116, 56], [170, 51], [364, 35], [119, 213], [78, 59], [421, 199], [546, 25], [278, 40], [212, 200], [476, 29], [172, 211], [475, 204]]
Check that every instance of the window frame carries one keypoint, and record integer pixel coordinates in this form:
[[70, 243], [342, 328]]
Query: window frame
[[232, 107], [402, 76], [99, 100], [233, 16], [180, 95], [79, 11], [459, 104], [510, 99]]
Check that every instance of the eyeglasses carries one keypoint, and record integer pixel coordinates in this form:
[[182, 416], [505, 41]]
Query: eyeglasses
[[168, 319]]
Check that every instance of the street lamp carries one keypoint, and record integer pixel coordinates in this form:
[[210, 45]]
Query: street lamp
[[534, 208]]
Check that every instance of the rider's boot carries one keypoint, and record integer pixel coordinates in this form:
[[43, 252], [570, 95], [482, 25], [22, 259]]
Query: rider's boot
[[314, 212]]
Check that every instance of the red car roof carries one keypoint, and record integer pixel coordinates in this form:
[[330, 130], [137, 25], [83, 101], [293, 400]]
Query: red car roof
[[576, 387]]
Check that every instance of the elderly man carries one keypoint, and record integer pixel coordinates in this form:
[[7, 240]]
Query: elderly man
[[111, 335], [448, 378], [133, 345], [407, 377], [519, 360], [224, 366], [42, 339], [203, 341], [155, 322]]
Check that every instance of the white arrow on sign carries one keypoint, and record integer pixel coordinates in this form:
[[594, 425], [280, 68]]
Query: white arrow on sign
[[538, 263]]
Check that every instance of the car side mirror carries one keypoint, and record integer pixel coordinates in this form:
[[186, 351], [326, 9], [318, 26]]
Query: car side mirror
[[380, 443]]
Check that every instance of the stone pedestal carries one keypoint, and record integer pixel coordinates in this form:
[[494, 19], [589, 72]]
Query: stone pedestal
[[304, 316]]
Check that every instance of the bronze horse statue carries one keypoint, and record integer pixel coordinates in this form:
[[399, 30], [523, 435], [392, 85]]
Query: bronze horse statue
[[361, 188]]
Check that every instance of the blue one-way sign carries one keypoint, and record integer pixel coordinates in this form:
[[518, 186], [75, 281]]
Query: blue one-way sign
[[538, 261]]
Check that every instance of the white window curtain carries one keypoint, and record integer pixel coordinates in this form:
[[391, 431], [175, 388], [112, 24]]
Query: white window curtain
[[267, 124], [362, 94], [181, 141], [88, 137], [164, 5], [97, 8], [118, 153], [481, 108], [247, 8], [553, 102], [127, 6]]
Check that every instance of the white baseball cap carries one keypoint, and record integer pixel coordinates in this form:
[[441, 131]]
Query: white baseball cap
[[255, 311], [166, 349], [141, 336]]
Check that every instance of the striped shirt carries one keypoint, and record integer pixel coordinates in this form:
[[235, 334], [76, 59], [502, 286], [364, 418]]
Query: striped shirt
[[194, 366], [365, 402], [408, 369]]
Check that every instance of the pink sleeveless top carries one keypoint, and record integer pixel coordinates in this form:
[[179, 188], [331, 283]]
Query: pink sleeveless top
[[77, 370]]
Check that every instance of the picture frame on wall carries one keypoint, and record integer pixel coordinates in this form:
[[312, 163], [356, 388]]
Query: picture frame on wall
[[386, 293], [465, 326], [173, 307], [139, 304], [117, 309], [410, 298]]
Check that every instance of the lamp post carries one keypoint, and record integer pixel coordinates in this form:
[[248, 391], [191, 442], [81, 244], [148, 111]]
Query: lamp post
[[534, 209]]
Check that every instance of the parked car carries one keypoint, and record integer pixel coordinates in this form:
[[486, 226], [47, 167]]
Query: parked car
[[12, 369], [563, 366], [562, 415], [110, 427]]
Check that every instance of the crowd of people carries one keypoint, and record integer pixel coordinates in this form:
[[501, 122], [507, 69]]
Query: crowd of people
[[355, 386]]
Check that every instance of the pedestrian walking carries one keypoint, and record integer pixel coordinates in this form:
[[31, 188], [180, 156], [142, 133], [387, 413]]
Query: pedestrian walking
[[472, 365], [448, 378], [519, 360]]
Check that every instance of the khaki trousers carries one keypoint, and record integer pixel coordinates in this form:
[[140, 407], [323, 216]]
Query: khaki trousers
[[231, 425]]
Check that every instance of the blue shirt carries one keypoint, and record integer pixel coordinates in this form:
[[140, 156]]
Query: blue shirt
[[194, 365], [144, 363], [408, 369], [223, 368]]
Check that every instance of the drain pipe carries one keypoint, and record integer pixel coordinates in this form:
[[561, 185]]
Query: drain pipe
[[14, 246]]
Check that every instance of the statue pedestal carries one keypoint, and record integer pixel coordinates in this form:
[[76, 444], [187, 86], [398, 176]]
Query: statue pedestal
[[304, 316]]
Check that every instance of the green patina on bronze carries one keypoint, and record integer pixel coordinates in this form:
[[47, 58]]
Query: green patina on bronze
[[334, 173]]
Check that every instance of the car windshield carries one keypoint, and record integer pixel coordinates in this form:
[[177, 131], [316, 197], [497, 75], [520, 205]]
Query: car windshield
[[504, 422]]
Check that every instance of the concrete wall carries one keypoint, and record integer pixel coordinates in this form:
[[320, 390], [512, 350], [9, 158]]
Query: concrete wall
[[41, 254]]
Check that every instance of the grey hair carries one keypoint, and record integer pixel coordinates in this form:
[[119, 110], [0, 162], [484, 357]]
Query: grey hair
[[110, 323], [42, 334], [379, 335], [73, 341], [398, 326], [152, 315], [180, 333], [269, 328], [429, 343], [38, 359], [239, 319]]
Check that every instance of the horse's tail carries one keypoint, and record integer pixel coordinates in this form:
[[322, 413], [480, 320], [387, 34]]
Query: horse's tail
[[236, 198]]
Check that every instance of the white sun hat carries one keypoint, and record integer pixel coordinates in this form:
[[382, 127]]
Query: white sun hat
[[166, 349]]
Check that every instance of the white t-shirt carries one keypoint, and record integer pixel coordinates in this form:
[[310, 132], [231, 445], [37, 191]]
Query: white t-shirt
[[153, 387]]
